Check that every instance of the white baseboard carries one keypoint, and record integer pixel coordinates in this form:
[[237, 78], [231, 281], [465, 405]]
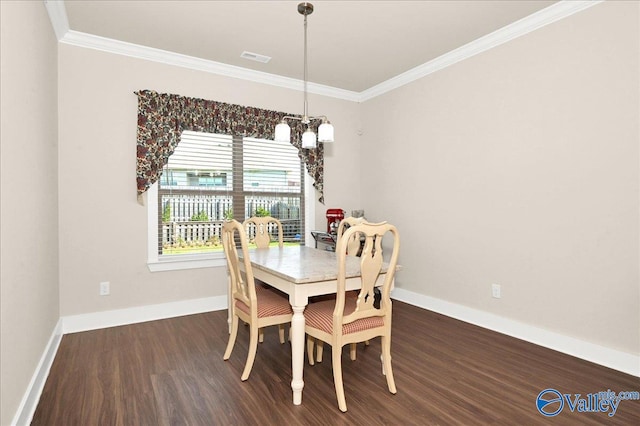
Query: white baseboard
[[104, 319], [29, 402], [618, 360]]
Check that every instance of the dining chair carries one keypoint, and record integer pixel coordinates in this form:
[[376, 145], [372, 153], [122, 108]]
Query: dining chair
[[349, 320], [258, 227], [353, 249], [354, 243], [256, 305]]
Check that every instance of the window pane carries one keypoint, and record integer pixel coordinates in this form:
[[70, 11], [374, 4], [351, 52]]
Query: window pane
[[200, 160], [197, 190], [271, 166]]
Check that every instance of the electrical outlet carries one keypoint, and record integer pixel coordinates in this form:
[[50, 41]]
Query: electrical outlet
[[495, 290], [104, 288]]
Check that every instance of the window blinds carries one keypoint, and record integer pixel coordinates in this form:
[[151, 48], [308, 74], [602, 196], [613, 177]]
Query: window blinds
[[210, 177]]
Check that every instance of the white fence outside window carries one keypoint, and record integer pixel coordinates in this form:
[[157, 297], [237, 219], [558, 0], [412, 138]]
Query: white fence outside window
[[178, 210]]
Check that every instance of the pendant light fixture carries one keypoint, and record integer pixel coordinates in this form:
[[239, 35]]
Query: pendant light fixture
[[325, 130]]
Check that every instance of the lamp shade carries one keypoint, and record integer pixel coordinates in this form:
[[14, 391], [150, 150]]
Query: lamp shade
[[308, 139], [283, 132], [325, 132]]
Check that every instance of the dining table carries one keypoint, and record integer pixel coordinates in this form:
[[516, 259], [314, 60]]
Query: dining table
[[302, 272]]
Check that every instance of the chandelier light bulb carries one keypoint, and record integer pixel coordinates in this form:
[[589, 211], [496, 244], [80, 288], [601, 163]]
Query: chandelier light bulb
[[308, 139], [325, 131], [283, 132]]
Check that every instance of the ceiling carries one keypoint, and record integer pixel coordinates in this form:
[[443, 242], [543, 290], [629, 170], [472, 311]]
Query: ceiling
[[352, 45]]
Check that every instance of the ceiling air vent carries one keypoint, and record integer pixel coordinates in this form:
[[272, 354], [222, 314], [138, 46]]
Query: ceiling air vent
[[255, 57]]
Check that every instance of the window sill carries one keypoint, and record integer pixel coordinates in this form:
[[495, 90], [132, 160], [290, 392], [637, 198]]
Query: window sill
[[185, 262]]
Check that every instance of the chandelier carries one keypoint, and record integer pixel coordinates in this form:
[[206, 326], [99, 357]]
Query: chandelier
[[325, 130]]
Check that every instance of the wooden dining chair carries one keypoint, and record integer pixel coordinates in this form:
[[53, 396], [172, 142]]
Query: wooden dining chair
[[354, 245], [349, 320], [258, 227], [256, 305]]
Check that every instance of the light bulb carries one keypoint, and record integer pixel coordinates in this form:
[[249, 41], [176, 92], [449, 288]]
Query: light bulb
[[283, 132], [325, 132], [308, 139]]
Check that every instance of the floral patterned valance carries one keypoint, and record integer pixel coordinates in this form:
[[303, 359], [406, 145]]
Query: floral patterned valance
[[163, 117]]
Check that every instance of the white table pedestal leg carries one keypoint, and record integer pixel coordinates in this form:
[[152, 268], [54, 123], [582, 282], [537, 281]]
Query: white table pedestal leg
[[297, 353]]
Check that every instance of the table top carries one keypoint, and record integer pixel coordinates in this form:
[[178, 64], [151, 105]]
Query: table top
[[301, 264]]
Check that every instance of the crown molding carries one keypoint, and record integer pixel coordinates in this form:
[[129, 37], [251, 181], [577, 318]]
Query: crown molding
[[58, 17], [519, 28], [104, 44], [553, 13]]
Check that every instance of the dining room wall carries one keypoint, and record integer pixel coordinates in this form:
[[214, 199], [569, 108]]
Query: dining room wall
[[520, 167], [103, 229], [29, 309]]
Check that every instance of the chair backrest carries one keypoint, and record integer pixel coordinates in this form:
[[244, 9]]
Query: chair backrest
[[259, 227], [371, 263], [354, 242], [242, 283]]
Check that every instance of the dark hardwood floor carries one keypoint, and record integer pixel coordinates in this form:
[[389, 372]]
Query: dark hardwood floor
[[447, 372]]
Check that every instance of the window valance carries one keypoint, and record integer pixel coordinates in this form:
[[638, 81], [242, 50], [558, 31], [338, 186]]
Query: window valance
[[162, 117]]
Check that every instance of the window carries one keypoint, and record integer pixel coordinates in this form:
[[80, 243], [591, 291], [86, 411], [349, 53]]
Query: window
[[210, 177]]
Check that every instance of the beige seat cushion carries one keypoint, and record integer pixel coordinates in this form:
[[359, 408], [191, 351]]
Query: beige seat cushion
[[270, 303], [320, 315]]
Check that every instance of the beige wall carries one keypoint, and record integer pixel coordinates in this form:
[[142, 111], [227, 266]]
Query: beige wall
[[103, 230], [28, 182], [520, 166]]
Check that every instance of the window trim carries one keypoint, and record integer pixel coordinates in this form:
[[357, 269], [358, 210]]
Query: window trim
[[217, 260]]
